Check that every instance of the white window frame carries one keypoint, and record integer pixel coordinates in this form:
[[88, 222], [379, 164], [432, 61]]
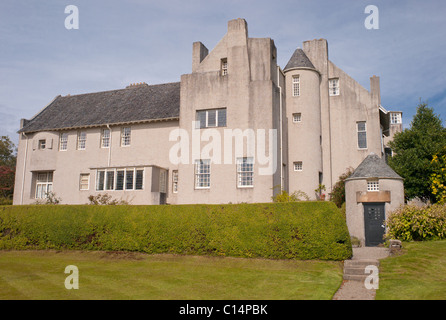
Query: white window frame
[[84, 181], [218, 112], [81, 140], [105, 138], [360, 132], [127, 172], [43, 185], [297, 117], [175, 181], [298, 166], [42, 144], [224, 66], [245, 172], [126, 134], [63, 141], [201, 182], [333, 87], [395, 118], [296, 86], [373, 185]]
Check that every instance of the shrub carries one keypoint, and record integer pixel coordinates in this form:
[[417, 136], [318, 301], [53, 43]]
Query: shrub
[[105, 199], [295, 230], [412, 222], [337, 194]]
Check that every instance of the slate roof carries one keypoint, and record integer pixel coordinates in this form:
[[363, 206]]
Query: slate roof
[[137, 103], [374, 167], [299, 60]]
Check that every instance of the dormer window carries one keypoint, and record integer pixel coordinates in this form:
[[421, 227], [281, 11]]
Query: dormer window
[[42, 144], [224, 67]]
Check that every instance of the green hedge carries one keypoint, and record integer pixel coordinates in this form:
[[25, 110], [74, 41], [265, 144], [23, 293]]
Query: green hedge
[[301, 230]]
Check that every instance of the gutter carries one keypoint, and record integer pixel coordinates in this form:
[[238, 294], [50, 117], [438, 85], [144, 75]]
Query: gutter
[[281, 128], [110, 146]]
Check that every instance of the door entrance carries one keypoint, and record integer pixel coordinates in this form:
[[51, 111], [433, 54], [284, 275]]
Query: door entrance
[[374, 223]]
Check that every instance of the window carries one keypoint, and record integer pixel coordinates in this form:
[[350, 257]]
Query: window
[[202, 174], [44, 184], [297, 166], [42, 144], [175, 181], [105, 138], [120, 179], [333, 87], [245, 172], [395, 118], [63, 141], [224, 67], [297, 117], [125, 136], [296, 86], [84, 181], [362, 134], [373, 185], [211, 118], [81, 140]]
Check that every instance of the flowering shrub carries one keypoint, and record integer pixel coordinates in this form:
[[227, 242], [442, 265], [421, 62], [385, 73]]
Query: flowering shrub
[[438, 178], [411, 222]]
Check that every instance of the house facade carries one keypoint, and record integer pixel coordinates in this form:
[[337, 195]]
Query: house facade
[[238, 128]]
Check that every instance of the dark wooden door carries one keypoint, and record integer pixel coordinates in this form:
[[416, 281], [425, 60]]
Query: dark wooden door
[[374, 223]]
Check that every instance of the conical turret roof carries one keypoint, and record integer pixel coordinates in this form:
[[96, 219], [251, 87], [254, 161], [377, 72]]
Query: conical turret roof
[[374, 167], [299, 60]]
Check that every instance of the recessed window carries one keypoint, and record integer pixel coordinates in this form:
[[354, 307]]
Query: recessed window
[[297, 117], [245, 172], [361, 128], [105, 138], [224, 67], [63, 141], [125, 136], [175, 181], [44, 184], [333, 87], [298, 166], [210, 118], [296, 86], [372, 185], [81, 140], [84, 181], [202, 174], [42, 144]]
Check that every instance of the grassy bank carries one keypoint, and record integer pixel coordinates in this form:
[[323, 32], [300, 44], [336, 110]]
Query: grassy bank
[[418, 274], [118, 275]]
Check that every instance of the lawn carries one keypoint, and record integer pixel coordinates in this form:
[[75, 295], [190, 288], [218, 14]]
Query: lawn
[[116, 275], [418, 274]]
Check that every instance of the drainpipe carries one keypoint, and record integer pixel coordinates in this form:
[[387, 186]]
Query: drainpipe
[[280, 128], [24, 168], [109, 147]]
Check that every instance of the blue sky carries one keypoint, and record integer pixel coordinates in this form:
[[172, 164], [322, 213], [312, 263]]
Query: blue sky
[[123, 42]]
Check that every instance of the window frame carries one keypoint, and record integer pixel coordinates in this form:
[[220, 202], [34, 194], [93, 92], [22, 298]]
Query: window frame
[[224, 67], [174, 181], [373, 185], [298, 166], [81, 140], [295, 88], [63, 141], [297, 117], [241, 169], [48, 183], [395, 118], [105, 138], [81, 182], [126, 136], [219, 123], [130, 172], [200, 175], [334, 87], [41, 144], [361, 132]]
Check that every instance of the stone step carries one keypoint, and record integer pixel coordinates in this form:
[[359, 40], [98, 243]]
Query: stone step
[[354, 271], [355, 277], [361, 263]]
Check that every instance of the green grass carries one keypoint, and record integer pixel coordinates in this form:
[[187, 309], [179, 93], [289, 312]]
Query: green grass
[[418, 274], [117, 275]]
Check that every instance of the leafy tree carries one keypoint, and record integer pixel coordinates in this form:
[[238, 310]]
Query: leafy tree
[[438, 178], [7, 167], [414, 149]]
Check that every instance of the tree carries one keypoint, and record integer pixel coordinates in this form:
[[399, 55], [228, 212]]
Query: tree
[[438, 178], [414, 149], [7, 167], [337, 194]]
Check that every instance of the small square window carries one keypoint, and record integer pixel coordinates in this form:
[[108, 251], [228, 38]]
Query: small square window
[[297, 166], [373, 185], [297, 117], [42, 144]]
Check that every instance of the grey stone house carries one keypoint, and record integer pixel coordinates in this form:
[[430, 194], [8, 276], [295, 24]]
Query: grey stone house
[[238, 128]]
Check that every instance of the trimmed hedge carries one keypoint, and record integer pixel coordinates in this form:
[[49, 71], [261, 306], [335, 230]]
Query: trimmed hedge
[[300, 230]]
